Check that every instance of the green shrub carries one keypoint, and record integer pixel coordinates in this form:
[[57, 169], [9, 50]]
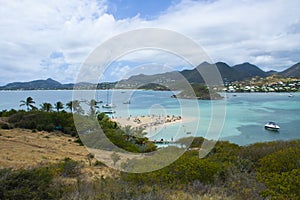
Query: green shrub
[[5, 126], [281, 161], [27, 184], [280, 172], [69, 168]]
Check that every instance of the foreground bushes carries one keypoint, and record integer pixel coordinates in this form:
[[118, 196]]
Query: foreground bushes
[[226, 173], [36, 183]]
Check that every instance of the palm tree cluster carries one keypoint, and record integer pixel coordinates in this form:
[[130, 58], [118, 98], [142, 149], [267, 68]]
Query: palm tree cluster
[[74, 106]]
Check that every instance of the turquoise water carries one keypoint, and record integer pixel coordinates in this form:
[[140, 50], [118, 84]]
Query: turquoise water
[[246, 113]]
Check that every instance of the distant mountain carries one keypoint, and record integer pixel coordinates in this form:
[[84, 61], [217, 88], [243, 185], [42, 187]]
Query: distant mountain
[[227, 73], [247, 70], [168, 79], [35, 85], [271, 72], [173, 80], [293, 71]]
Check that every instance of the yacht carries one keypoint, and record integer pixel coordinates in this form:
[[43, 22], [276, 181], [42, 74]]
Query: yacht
[[108, 105], [272, 126]]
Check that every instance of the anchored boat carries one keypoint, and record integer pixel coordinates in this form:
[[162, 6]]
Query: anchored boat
[[272, 126]]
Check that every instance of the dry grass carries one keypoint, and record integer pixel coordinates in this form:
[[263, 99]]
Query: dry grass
[[20, 148], [23, 148]]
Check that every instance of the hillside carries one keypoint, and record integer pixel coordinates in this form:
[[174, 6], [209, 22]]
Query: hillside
[[21, 148], [198, 92], [176, 80], [45, 165], [293, 71], [248, 70], [48, 84]]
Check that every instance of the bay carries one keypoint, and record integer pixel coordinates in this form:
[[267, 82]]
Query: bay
[[244, 119]]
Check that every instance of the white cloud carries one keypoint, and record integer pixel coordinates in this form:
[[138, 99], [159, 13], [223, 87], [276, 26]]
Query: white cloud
[[263, 32]]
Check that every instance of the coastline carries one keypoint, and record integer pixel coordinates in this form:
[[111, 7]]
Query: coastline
[[152, 123]]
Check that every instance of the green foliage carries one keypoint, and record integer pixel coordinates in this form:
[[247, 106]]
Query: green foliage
[[5, 113], [127, 138], [186, 169], [224, 152], [282, 186], [255, 152], [37, 183], [280, 171], [68, 168], [198, 91], [5, 126], [27, 184], [281, 161], [154, 86], [46, 121], [46, 107], [75, 107], [58, 106], [29, 103]]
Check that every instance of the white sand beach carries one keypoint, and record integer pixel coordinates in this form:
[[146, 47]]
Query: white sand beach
[[151, 123]]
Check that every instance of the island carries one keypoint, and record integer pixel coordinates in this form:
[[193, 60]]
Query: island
[[154, 86], [197, 91]]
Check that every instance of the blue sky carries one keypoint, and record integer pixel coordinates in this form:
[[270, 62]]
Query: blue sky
[[145, 9], [53, 39]]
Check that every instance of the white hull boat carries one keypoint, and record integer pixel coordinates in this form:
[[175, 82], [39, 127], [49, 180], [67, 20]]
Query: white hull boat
[[272, 126]]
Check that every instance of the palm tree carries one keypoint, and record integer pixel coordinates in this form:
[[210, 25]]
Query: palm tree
[[58, 105], [46, 107], [139, 132], [74, 106], [128, 131], [93, 106], [139, 135], [69, 105], [28, 103]]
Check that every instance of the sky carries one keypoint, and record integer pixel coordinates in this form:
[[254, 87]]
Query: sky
[[52, 39]]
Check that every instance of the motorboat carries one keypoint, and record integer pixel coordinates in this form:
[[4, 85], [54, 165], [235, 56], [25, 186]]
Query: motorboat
[[272, 126], [291, 95]]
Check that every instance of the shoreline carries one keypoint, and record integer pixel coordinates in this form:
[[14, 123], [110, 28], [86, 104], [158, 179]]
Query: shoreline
[[151, 123]]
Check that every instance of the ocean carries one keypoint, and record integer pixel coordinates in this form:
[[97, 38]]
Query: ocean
[[238, 118]]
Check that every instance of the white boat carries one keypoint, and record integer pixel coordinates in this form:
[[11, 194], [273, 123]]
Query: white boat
[[272, 126], [291, 95], [108, 105], [126, 102], [109, 111]]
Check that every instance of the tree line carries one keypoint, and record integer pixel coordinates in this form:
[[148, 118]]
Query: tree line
[[74, 106]]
